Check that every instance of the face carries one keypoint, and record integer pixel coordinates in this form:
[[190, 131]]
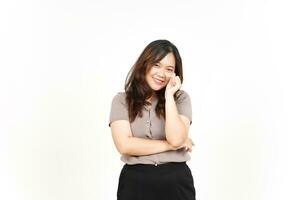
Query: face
[[161, 72]]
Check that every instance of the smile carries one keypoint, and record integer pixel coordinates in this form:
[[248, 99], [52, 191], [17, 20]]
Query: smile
[[160, 82]]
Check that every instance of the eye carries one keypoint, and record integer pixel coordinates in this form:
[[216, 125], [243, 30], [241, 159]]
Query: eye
[[156, 65], [170, 70]]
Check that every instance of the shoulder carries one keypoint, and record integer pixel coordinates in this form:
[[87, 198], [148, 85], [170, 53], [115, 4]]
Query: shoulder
[[118, 108], [181, 95], [119, 98]]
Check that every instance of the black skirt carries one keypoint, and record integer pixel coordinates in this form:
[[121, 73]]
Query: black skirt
[[170, 181]]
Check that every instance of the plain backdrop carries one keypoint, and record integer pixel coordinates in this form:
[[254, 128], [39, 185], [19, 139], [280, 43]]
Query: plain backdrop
[[62, 62]]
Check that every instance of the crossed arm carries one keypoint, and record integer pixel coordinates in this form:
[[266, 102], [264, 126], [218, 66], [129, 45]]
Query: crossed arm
[[177, 127], [129, 145]]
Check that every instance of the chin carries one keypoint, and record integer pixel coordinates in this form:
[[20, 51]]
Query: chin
[[156, 87]]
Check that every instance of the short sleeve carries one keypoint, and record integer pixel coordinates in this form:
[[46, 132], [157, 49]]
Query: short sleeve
[[118, 109], [184, 105]]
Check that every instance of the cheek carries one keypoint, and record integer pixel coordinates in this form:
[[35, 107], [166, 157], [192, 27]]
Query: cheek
[[150, 72], [149, 75], [148, 78]]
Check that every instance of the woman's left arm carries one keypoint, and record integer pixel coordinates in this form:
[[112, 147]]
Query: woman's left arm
[[176, 125]]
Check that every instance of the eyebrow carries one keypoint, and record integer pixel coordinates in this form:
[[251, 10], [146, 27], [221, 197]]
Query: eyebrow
[[167, 66]]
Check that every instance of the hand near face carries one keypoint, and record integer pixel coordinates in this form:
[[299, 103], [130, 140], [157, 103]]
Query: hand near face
[[173, 85]]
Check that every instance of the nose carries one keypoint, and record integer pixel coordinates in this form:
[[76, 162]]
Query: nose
[[162, 73]]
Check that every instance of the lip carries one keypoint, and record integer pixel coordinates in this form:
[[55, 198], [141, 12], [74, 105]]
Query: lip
[[159, 81]]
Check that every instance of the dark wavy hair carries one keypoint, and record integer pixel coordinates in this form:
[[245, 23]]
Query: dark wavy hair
[[136, 87]]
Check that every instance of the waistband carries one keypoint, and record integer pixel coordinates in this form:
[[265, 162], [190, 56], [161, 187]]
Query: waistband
[[172, 165]]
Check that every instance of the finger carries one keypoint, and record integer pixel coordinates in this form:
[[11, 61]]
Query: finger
[[188, 149], [175, 82], [178, 82], [171, 80]]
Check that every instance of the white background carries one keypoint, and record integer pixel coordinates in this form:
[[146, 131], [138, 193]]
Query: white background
[[63, 61]]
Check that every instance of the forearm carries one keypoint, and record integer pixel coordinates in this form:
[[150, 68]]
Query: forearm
[[175, 129], [140, 147]]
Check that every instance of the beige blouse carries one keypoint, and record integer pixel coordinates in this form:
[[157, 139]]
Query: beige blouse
[[151, 127]]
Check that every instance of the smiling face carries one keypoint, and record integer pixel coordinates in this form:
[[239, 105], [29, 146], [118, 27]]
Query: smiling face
[[160, 73]]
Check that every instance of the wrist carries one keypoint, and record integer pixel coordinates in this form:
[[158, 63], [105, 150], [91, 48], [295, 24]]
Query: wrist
[[169, 96]]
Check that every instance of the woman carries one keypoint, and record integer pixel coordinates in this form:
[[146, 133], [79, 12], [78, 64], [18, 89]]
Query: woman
[[150, 123]]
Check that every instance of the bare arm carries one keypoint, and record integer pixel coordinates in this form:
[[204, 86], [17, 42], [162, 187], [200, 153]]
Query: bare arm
[[128, 145], [176, 126]]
